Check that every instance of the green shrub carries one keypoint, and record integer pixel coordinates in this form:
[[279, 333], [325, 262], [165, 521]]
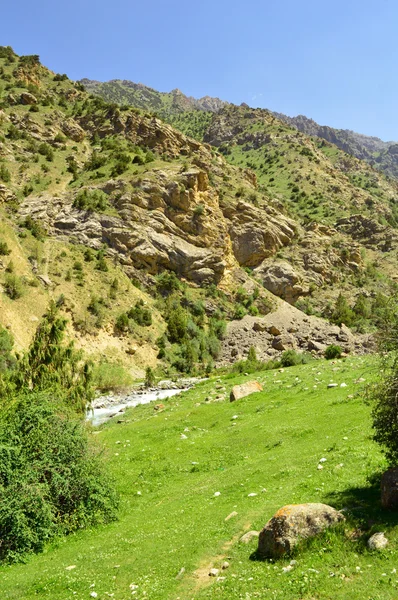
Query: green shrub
[[4, 249], [51, 477], [7, 360], [219, 327], [36, 229], [177, 324], [122, 322], [46, 150], [240, 312], [102, 265], [199, 210], [96, 161], [149, 377], [5, 174], [91, 200], [111, 376], [140, 314], [290, 358], [342, 312], [167, 282], [333, 351], [13, 286]]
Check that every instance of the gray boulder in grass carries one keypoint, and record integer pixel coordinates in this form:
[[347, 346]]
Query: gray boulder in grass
[[293, 523]]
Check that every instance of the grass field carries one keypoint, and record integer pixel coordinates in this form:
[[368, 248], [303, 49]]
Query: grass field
[[168, 466]]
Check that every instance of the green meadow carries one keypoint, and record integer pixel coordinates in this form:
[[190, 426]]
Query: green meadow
[[181, 470]]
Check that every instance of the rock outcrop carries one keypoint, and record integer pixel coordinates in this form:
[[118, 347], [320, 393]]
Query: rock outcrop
[[281, 279]]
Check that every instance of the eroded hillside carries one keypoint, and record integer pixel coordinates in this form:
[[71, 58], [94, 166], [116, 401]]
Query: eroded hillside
[[102, 206]]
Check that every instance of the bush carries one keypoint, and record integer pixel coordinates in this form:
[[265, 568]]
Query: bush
[[122, 322], [149, 377], [51, 477], [333, 351], [13, 286], [240, 312], [95, 200], [140, 314], [4, 249], [36, 229], [167, 282], [342, 312], [5, 174], [111, 376], [46, 150], [7, 360], [290, 358], [177, 323], [102, 265]]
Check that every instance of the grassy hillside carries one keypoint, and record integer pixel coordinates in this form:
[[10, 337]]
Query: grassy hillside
[[266, 444]]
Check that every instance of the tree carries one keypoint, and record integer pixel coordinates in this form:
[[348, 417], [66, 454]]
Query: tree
[[383, 395], [149, 377], [51, 365], [342, 313]]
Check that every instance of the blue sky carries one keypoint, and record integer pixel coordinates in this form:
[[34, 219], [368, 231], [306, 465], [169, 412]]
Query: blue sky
[[336, 62]]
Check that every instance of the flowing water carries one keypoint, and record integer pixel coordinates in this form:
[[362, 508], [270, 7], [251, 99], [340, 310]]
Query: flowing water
[[112, 406]]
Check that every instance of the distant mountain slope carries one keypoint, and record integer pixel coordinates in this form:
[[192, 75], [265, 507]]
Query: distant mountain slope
[[146, 98], [192, 116], [381, 155]]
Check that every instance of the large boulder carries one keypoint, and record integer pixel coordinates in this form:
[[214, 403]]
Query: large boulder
[[293, 523], [245, 389], [281, 279], [72, 130], [389, 488], [283, 342], [27, 98]]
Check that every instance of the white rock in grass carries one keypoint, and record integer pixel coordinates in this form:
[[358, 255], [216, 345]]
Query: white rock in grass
[[216, 494], [320, 467], [214, 572], [231, 515], [183, 437], [70, 568], [322, 460], [287, 569], [180, 573], [251, 495], [249, 536], [94, 595], [377, 541], [343, 385]]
